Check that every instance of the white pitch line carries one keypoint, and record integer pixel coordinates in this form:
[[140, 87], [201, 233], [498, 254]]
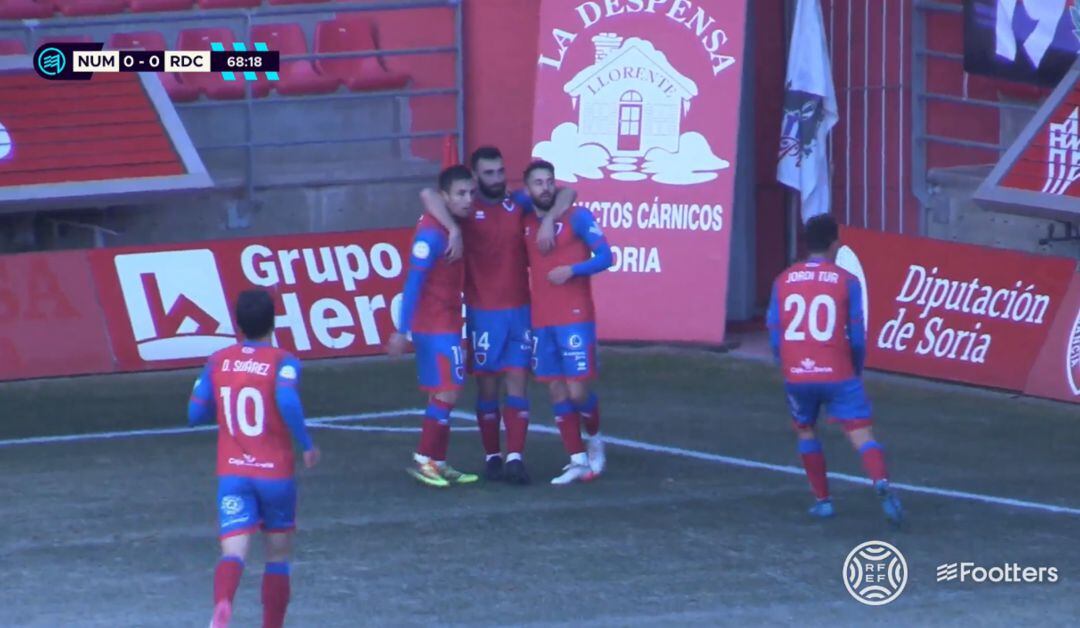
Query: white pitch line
[[331, 421]]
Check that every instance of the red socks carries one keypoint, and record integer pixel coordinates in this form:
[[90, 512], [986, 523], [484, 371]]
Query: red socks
[[569, 427], [815, 472], [590, 414], [487, 417], [435, 434], [275, 587], [813, 460], [873, 459], [516, 417], [275, 594], [227, 578], [443, 444], [429, 438]]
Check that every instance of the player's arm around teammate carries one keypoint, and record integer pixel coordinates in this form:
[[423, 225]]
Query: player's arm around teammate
[[435, 206], [259, 411]]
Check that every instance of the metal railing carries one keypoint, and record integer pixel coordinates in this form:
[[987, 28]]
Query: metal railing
[[929, 146], [32, 31], [867, 42]]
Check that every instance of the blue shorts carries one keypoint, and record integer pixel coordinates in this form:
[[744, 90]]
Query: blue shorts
[[439, 363], [843, 401], [499, 339], [248, 504], [564, 352]]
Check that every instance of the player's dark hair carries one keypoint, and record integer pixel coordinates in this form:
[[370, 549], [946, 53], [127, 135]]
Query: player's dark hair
[[538, 164], [255, 313], [454, 173], [821, 231], [484, 152]]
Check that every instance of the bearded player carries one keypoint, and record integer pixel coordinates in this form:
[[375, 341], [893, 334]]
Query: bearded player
[[563, 317], [250, 389], [817, 334], [497, 317], [431, 317]]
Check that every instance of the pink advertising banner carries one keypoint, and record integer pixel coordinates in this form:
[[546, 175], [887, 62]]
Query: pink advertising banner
[[637, 106]]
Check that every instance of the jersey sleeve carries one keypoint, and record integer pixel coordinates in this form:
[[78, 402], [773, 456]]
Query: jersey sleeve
[[428, 246], [522, 198], [856, 325], [585, 227], [288, 400], [772, 320], [201, 408]]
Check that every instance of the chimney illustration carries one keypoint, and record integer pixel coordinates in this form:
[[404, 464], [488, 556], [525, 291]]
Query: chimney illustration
[[605, 43]]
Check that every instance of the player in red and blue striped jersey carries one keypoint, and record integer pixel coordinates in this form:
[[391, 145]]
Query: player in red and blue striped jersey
[[564, 320], [250, 390], [818, 335], [431, 317]]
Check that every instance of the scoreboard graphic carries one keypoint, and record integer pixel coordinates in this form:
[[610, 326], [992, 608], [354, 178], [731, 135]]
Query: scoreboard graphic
[[80, 61]]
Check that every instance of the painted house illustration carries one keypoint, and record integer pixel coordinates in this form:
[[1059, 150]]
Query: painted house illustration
[[631, 99]]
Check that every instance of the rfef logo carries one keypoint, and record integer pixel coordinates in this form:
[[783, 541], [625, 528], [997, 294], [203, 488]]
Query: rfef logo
[[875, 573], [176, 304]]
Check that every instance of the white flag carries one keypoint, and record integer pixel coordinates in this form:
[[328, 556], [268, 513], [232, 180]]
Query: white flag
[[809, 112]]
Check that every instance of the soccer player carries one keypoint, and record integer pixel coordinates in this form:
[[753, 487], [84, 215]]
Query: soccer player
[[497, 317], [817, 334], [564, 328], [431, 317], [250, 390]]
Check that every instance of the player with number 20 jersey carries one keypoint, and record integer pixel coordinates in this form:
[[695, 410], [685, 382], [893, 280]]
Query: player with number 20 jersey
[[818, 335]]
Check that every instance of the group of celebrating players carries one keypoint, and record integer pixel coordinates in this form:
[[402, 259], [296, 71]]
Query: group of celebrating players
[[522, 262]]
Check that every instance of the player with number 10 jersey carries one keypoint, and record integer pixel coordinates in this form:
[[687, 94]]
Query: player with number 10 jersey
[[818, 336], [250, 389]]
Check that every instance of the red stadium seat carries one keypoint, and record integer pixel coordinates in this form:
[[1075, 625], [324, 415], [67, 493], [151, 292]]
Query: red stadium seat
[[24, 9], [90, 7], [354, 34], [156, 6], [177, 90], [211, 83], [298, 76], [12, 47], [228, 4]]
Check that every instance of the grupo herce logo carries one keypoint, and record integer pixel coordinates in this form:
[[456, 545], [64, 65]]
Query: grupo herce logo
[[875, 573]]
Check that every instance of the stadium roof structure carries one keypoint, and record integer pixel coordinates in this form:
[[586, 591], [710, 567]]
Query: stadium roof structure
[[1040, 173], [115, 138]]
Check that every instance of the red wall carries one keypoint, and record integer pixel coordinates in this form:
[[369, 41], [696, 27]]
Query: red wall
[[500, 68], [768, 66]]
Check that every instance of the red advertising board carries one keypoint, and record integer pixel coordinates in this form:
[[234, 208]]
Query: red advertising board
[[171, 306], [955, 311], [1056, 373], [50, 318], [637, 106]]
